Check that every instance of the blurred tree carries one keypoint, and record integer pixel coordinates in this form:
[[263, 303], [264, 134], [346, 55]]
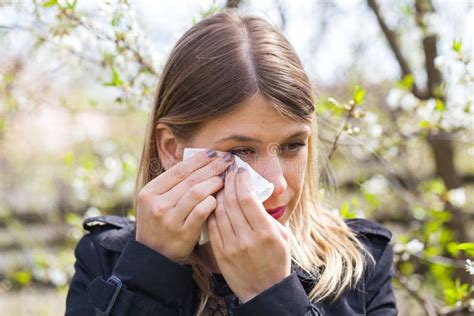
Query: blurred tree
[[390, 178]]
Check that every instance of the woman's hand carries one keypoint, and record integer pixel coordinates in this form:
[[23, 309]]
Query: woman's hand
[[173, 206], [251, 248]]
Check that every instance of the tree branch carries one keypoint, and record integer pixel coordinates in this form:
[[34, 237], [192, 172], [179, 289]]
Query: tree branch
[[391, 37], [344, 125], [104, 36], [427, 306], [232, 3]]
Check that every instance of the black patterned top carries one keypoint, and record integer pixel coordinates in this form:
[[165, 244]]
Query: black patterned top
[[217, 306]]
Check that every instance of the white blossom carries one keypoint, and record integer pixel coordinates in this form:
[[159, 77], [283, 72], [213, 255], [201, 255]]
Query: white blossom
[[457, 197], [470, 266], [392, 152], [114, 171], [92, 212], [371, 118], [439, 62], [106, 148], [126, 188], [397, 248], [80, 189], [414, 246], [393, 98], [435, 24], [470, 151], [57, 276], [375, 130], [72, 42], [427, 111], [408, 102], [376, 185]]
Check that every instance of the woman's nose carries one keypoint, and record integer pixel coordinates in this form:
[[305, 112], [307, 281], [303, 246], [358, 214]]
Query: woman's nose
[[272, 170]]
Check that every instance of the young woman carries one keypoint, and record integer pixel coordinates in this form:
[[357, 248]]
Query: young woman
[[235, 86]]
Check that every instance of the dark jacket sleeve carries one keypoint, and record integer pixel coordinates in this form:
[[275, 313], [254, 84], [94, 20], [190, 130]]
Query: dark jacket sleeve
[[287, 297], [380, 297], [140, 282]]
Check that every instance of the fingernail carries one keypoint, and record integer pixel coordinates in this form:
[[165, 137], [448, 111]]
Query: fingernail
[[228, 158], [233, 166], [241, 170], [211, 153]]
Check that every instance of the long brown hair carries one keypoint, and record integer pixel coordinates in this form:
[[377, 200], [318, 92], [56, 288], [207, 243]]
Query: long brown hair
[[216, 65]]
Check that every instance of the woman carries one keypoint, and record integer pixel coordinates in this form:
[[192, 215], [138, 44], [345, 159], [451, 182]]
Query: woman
[[232, 84]]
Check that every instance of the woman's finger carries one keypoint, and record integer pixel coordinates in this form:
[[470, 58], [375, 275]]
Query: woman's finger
[[252, 208], [180, 171], [192, 197], [284, 231], [223, 222], [215, 237], [232, 207], [199, 214], [213, 169]]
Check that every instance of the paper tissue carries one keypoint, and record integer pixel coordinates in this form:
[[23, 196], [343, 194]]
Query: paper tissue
[[260, 185]]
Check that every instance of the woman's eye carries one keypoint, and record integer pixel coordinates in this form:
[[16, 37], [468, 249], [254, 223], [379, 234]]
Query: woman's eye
[[294, 146], [241, 152]]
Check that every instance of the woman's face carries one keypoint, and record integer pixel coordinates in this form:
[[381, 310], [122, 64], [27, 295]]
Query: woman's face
[[275, 146]]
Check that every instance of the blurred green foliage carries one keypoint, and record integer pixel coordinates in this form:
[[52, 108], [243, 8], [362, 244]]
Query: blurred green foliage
[[432, 263]]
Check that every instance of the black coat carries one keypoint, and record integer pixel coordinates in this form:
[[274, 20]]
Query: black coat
[[115, 273]]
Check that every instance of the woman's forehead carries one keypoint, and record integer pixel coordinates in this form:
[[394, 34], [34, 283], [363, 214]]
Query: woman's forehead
[[255, 116]]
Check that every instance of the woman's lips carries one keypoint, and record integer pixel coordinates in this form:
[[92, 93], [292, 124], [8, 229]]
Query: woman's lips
[[276, 213]]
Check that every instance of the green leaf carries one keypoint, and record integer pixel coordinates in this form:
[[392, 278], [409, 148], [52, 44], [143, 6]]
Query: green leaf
[[435, 186], [206, 13], [445, 235], [455, 293], [345, 212], [88, 163], [116, 19], [358, 95], [406, 82], [49, 3], [403, 238], [330, 105], [440, 215], [73, 219], [440, 105], [68, 159], [431, 251], [23, 277], [116, 81], [407, 268], [452, 248], [457, 45], [467, 247], [372, 199], [424, 124], [71, 5], [408, 10]]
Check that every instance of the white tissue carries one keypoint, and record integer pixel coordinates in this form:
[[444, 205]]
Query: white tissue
[[260, 185]]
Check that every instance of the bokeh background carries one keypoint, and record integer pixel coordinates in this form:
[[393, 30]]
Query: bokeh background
[[395, 104]]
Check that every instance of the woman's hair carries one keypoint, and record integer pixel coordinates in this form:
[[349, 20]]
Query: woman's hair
[[218, 64]]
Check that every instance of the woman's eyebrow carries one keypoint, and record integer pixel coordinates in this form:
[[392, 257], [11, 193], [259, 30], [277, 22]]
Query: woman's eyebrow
[[245, 138]]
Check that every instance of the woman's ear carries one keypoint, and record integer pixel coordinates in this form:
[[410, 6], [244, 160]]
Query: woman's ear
[[169, 149]]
